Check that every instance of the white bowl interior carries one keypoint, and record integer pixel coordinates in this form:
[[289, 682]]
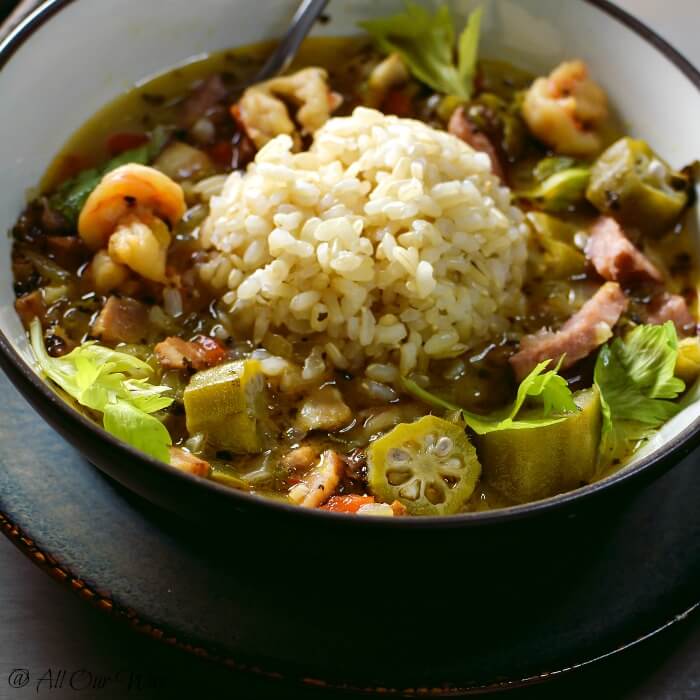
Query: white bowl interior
[[92, 50]]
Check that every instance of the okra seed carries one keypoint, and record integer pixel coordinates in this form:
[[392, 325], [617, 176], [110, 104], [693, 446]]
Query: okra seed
[[443, 446], [398, 456]]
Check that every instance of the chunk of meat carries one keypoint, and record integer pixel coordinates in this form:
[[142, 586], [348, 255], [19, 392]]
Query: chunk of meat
[[30, 306], [588, 328], [324, 409], [187, 462], [67, 251], [262, 110], [51, 220], [207, 95], [461, 127], [615, 257], [347, 504], [672, 307], [122, 320], [200, 353], [320, 483], [299, 458]]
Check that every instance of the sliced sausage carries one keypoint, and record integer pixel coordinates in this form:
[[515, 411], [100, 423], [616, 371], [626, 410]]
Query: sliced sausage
[[461, 127], [672, 307], [209, 93], [615, 257], [588, 328], [30, 306], [68, 251], [200, 353]]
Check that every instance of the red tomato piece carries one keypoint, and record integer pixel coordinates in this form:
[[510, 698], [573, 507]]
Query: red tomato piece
[[347, 504]]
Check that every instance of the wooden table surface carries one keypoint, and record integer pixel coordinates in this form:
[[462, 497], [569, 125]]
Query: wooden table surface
[[46, 630]]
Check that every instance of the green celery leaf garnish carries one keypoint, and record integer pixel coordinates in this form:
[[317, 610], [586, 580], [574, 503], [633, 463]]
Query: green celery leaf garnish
[[635, 376], [548, 387], [141, 430], [71, 196], [468, 49], [113, 383], [426, 43]]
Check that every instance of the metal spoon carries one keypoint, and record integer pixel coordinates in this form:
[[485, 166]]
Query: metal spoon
[[304, 18]]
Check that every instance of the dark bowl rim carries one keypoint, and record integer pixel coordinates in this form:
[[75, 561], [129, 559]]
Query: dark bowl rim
[[39, 392]]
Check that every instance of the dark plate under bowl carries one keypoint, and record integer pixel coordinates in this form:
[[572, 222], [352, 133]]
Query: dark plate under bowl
[[455, 611]]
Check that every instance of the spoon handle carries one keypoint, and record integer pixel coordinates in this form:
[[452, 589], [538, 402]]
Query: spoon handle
[[22, 10], [304, 18]]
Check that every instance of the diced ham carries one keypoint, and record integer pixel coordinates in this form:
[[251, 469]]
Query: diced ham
[[461, 127], [187, 462], [615, 257], [122, 320], [68, 251], [52, 220], [672, 307], [588, 328], [30, 306], [200, 353], [205, 96]]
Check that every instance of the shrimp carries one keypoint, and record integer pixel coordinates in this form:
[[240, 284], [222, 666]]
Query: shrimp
[[130, 189], [320, 483], [105, 273], [264, 115], [390, 73], [129, 213], [566, 109], [141, 243]]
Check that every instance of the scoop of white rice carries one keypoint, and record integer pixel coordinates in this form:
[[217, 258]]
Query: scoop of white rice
[[387, 241]]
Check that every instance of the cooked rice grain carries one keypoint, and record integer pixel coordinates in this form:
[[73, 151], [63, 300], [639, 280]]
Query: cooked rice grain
[[387, 241]]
